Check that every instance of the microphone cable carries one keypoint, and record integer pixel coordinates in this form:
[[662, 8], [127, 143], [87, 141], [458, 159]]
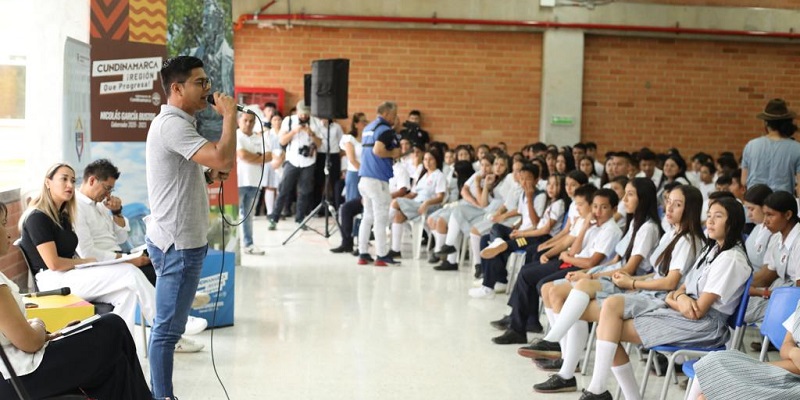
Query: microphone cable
[[223, 222]]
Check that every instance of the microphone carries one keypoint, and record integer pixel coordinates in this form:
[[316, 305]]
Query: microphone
[[55, 292], [239, 107]]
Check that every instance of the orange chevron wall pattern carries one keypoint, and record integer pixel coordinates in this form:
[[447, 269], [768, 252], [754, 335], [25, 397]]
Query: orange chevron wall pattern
[[110, 19], [148, 21]]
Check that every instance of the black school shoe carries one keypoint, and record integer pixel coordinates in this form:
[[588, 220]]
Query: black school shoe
[[446, 266], [541, 349], [511, 336], [445, 250], [478, 272], [587, 395], [502, 323], [394, 254], [556, 384], [342, 249]]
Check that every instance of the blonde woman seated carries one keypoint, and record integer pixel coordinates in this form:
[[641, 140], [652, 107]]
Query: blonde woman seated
[[101, 361]]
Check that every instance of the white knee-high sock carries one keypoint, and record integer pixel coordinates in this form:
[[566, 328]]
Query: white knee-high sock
[[604, 356], [551, 316], [575, 341], [695, 390], [397, 236], [453, 230], [574, 306], [453, 257], [269, 200], [627, 381], [475, 248], [437, 244]]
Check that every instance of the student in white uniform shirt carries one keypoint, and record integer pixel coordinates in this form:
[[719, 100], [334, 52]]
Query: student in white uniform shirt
[[648, 168], [694, 315], [705, 181], [782, 258], [332, 152], [675, 253], [427, 195], [757, 240], [351, 144]]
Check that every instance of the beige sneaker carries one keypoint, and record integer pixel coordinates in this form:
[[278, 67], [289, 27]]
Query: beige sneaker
[[186, 345], [200, 299]]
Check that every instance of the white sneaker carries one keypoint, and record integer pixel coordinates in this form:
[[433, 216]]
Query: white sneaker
[[253, 250], [500, 287], [200, 299], [186, 345], [477, 283], [195, 325], [493, 249], [482, 292]]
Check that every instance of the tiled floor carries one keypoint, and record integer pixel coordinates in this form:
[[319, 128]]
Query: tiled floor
[[314, 325]]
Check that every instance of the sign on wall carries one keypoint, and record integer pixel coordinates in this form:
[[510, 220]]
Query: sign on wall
[[76, 124], [129, 43]]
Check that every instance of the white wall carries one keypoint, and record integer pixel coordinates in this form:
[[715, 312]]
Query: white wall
[[38, 29]]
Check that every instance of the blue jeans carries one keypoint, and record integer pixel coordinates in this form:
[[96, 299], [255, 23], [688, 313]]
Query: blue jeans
[[247, 194], [178, 274], [351, 186]]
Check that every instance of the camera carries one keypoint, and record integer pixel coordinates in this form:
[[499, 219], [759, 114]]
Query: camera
[[267, 125], [302, 122], [411, 127], [305, 151]]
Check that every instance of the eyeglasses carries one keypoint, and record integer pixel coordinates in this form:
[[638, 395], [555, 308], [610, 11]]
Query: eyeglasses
[[204, 83], [108, 188]]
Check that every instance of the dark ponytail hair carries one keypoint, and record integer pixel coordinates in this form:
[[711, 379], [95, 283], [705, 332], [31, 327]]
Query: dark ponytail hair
[[734, 227], [782, 201], [690, 226], [757, 194], [785, 127], [647, 209]]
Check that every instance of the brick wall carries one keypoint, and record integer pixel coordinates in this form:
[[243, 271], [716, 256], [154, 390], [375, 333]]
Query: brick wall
[[12, 264], [694, 95], [785, 4], [472, 87]]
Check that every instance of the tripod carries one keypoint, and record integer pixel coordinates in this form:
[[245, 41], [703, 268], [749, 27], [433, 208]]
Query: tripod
[[324, 205]]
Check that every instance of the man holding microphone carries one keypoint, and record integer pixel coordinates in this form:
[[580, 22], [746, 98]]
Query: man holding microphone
[[180, 163]]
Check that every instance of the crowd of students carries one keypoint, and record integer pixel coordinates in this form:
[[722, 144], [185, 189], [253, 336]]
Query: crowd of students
[[655, 249]]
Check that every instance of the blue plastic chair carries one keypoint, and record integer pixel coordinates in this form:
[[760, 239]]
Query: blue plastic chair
[[782, 304], [736, 321]]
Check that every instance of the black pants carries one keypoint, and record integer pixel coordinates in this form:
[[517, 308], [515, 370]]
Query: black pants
[[295, 179], [100, 361], [347, 213], [334, 173], [524, 300], [494, 270]]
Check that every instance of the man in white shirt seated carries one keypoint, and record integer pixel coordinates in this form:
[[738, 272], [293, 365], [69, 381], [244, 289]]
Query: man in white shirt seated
[[101, 229]]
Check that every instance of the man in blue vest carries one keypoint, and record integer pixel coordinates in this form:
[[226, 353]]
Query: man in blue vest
[[381, 147]]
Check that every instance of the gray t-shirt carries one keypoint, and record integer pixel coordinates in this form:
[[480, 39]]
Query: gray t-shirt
[[176, 186], [772, 162]]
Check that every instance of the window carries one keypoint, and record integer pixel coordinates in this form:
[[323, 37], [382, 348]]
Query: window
[[12, 88]]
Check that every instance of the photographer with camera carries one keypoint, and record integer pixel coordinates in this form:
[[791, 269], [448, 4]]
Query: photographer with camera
[[301, 134], [412, 129]]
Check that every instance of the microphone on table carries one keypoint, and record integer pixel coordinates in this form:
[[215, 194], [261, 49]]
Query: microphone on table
[[55, 292], [239, 107]]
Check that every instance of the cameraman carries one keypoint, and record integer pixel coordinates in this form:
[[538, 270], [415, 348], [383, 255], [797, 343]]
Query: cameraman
[[412, 129], [301, 135]]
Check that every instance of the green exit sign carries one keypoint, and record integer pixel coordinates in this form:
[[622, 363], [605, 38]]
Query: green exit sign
[[561, 120]]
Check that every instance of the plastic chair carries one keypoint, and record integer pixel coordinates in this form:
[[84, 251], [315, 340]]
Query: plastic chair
[[417, 227], [782, 304], [735, 321], [514, 264], [464, 250]]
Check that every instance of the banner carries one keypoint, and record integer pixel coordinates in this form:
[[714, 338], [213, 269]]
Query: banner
[[129, 44], [76, 125]]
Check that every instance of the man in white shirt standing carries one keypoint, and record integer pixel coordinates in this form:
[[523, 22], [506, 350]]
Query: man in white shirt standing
[[101, 228], [325, 150], [301, 135], [252, 152]]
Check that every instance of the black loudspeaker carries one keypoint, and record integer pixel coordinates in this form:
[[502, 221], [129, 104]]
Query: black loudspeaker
[[307, 89], [329, 83]]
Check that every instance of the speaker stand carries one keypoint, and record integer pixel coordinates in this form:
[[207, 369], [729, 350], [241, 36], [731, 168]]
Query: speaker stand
[[323, 205]]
